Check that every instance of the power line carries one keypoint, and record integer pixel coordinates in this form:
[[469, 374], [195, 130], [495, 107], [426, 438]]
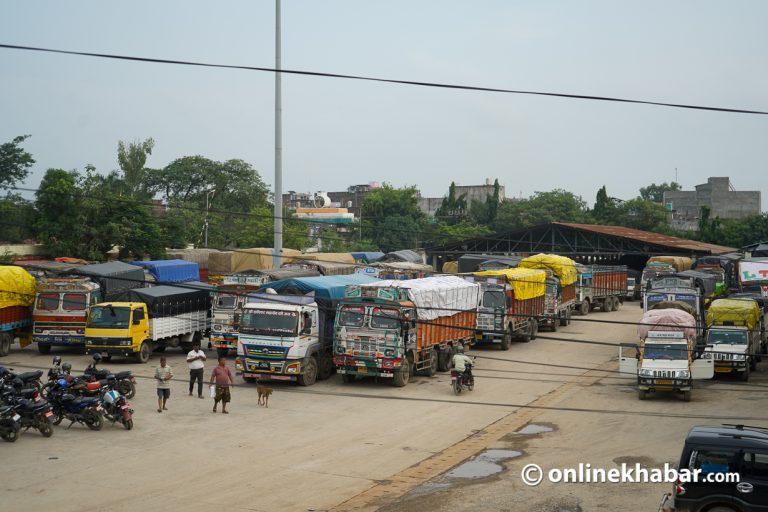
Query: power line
[[383, 80]]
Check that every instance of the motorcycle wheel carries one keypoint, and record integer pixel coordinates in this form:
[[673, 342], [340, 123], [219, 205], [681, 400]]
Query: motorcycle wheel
[[457, 387], [128, 424], [471, 384], [58, 418], [45, 426], [127, 388], [93, 419], [9, 436]]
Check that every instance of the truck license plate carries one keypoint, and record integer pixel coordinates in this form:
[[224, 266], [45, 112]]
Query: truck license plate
[[362, 369], [664, 382], [722, 370]]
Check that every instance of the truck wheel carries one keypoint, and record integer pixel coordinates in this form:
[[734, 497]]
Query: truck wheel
[[347, 378], [326, 367], [554, 324], [686, 396], [5, 344], [584, 308], [616, 303], [642, 394], [563, 318], [744, 377], [445, 359], [403, 374], [432, 368], [752, 363], [44, 348], [222, 352], [144, 352], [309, 373], [507, 339], [534, 328], [607, 304]]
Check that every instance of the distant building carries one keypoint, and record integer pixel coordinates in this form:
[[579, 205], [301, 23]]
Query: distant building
[[351, 199], [429, 205], [718, 195]]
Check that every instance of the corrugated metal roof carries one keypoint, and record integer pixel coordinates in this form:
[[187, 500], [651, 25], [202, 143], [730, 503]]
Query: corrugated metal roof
[[672, 242]]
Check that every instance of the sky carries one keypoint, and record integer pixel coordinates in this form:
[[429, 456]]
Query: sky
[[337, 133]]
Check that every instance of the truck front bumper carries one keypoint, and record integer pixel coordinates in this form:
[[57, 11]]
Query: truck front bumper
[[112, 347], [270, 369], [652, 384], [730, 366], [59, 340], [487, 339], [366, 367]]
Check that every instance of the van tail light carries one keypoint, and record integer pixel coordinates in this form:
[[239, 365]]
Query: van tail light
[[679, 489]]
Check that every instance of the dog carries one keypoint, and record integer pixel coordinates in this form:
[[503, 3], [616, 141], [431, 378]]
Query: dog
[[264, 393]]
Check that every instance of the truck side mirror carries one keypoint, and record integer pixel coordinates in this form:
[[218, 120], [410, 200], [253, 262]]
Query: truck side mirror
[[137, 321]]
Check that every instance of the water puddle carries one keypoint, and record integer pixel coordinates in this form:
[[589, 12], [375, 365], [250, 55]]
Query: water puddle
[[483, 465], [533, 428], [427, 488]]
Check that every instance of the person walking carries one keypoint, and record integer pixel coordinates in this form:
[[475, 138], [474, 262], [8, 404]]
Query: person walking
[[196, 362], [163, 375], [222, 376]]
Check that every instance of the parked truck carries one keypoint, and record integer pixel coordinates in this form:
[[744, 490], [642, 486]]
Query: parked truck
[[511, 303], [17, 293], [230, 297], [61, 305], [667, 358], [393, 329], [148, 320], [753, 275], [733, 336], [286, 332], [560, 296], [603, 286]]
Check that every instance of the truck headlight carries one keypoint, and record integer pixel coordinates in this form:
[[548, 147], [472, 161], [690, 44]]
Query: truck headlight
[[389, 352], [683, 374], [127, 343], [739, 357], [646, 373], [339, 349]]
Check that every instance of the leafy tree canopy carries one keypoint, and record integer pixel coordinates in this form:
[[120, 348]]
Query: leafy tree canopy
[[14, 162]]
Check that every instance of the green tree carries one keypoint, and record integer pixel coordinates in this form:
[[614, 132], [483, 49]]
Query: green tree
[[392, 218], [543, 207], [641, 214], [132, 158], [446, 233], [655, 193], [605, 207], [453, 209], [14, 162], [18, 219]]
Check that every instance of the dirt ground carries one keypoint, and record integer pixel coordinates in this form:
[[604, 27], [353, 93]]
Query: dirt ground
[[370, 446]]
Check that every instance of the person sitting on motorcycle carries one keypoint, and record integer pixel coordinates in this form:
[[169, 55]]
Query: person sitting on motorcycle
[[462, 363]]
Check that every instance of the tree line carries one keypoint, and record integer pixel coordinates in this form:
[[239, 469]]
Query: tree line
[[142, 210]]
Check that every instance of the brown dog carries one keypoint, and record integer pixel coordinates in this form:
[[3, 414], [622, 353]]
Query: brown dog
[[264, 393]]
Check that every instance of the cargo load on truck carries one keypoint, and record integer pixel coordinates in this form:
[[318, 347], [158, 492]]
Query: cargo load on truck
[[171, 271], [512, 301], [560, 297], [146, 320], [286, 329], [258, 258], [666, 359], [17, 294], [114, 277], [735, 336], [679, 263], [472, 262], [393, 328], [325, 268], [729, 263], [400, 270]]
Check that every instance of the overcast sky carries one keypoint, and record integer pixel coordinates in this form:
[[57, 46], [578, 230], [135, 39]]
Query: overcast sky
[[339, 132]]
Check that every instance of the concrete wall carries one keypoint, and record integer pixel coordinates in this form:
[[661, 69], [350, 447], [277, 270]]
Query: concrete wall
[[715, 194]]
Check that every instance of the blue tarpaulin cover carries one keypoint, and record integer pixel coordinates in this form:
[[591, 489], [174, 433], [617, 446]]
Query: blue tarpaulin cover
[[171, 271], [325, 287]]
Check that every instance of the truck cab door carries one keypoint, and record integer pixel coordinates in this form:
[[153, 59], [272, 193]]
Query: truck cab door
[[628, 358], [703, 368]]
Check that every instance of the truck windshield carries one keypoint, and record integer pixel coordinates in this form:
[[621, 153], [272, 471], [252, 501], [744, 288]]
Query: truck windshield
[[494, 299], [667, 351], [226, 301], [107, 317], [727, 337], [269, 322], [385, 318], [73, 302], [48, 301], [352, 316]]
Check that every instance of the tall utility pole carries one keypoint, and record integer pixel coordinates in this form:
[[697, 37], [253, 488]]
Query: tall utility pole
[[278, 145]]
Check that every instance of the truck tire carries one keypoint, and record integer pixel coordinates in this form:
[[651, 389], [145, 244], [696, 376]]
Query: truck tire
[[309, 372], [326, 367], [506, 340], [752, 363], [144, 352], [402, 374], [432, 368], [607, 305], [584, 308], [534, 328], [5, 344], [44, 348], [744, 377], [563, 318], [616, 303], [554, 324], [642, 394], [445, 359]]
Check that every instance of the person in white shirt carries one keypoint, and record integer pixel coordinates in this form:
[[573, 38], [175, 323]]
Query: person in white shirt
[[196, 362], [462, 362]]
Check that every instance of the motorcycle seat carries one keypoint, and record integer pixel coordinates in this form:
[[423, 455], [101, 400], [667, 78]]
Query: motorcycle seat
[[123, 375], [27, 376]]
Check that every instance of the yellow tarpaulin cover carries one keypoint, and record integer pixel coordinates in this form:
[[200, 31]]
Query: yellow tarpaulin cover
[[738, 311], [330, 257], [527, 283], [564, 268], [680, 263], [259, 258], [17, 287], [451, 267]]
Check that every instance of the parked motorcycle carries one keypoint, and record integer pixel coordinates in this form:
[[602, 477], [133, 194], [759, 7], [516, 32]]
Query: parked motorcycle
[[462, 380], [29, 379], [126, 382], [33, 411], [9, 424], [85, 410], [116, 407]]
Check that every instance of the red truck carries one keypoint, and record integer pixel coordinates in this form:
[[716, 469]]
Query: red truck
[[602, 286], [560, 295]]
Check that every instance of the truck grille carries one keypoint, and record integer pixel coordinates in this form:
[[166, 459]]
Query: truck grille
[[664, 374], [721, 356], [485, 322]]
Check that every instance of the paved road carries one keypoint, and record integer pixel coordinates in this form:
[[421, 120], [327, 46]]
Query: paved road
[[363, 446]]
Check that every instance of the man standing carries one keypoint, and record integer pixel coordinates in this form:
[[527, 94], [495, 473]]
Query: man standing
[[222, 376], [163, 375], [196, 362]]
